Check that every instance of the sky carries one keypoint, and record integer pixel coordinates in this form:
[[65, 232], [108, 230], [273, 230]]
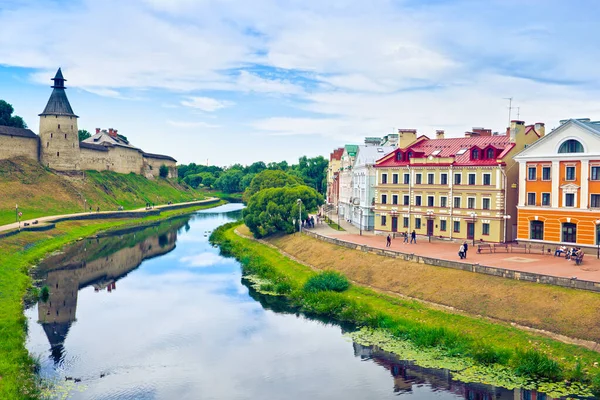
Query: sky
[[227, 81]]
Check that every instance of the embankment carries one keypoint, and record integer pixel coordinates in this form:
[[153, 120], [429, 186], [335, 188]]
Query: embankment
[[17, 254], [498, 353]]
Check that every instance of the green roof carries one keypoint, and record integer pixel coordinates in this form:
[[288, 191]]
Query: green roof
[[351, 149]]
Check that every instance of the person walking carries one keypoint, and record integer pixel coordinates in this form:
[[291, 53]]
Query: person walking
[[405, 234], [466, 246], [388, 242], [461, 251], [413, 237]]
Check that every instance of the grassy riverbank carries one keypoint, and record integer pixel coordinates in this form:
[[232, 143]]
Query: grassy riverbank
[[40, 192], [17, 254], [472, 342]]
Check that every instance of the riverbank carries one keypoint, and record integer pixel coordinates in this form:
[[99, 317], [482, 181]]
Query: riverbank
[[481, 345], [17, 254]]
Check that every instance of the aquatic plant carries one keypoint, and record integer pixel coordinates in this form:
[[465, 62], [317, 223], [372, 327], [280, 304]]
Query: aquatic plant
[[535, 364], [44, 293], [328, 280]]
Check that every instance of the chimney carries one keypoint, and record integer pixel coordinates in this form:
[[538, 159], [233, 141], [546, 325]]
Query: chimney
[[97, 130], [116, 132], [516, 129], [111, 132], [439, 134], [482, 132], [407, 137], [540, 128]]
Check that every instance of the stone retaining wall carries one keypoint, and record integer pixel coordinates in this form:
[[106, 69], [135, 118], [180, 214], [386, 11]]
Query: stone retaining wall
[[481, 269]]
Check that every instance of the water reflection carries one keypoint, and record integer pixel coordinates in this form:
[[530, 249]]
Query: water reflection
[[185, 326]]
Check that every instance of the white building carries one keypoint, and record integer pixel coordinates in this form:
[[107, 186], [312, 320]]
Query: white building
[[345, 185]]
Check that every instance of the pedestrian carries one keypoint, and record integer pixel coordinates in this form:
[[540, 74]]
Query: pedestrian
[[312, 221], [461, 251], [466, 245], [413, 237], [405, 234], [98, 209], [389, 241]]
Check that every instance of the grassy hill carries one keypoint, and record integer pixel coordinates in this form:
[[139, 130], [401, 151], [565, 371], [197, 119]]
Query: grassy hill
[[39, 191]]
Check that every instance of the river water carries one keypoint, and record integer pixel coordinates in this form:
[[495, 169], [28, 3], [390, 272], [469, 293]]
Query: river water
[[157, 313]]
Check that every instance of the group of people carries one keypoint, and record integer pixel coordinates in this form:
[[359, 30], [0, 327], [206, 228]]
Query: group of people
[[462, 250], [405, 235], [310, 222], [574, 253]]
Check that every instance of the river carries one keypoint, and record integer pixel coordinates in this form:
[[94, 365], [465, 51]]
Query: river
[[157, 313]]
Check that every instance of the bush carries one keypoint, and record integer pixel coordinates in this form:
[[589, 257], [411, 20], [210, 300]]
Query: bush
[[532, 363], [44, 294], [163, 171], [329, 280], [487, 355]]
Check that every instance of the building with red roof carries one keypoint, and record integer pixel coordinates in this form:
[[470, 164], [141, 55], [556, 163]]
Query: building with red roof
[[460, 188]]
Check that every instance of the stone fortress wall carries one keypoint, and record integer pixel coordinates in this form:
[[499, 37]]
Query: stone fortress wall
[[17, 146]]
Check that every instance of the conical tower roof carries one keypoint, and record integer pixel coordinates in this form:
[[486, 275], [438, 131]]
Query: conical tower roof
[[58, 104]]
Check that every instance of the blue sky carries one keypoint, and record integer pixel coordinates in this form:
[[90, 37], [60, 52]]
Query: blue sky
[[238, 81]]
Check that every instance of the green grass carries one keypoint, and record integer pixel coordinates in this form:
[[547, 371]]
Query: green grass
[[333, 225], [40, 192], [328, 280], [453, 335], [17, 254]]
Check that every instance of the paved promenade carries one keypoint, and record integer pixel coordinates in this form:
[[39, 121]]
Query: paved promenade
[[534, 263]]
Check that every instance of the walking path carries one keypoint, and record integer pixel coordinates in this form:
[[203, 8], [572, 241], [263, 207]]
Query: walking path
[[109, 214], [533, 263]]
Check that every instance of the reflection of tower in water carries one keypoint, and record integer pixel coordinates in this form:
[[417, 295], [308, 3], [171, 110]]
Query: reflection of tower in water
[[87, 265]]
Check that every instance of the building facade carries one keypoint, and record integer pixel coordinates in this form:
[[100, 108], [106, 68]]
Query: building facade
[[455, 188], [333, 171], [559, 186], [58, 147], [344, 205]]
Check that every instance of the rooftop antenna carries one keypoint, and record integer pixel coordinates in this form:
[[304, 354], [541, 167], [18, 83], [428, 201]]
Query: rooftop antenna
[[207, 162], [518, 112], [510, 108]]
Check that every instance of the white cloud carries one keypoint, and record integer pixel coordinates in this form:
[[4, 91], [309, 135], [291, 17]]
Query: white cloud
[[206, 103], [191, 124], [254, 83], [201, 260]]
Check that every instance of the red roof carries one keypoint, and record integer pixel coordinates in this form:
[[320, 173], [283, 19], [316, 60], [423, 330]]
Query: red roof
[[450, 147], [337, 154]]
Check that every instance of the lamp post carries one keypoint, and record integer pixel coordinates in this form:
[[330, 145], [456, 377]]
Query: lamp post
[[430, 216], [360, 222], [338, 215], [299, 201], [16, 213], [597, 239], [473, 216], [84, 205], [506, 217]]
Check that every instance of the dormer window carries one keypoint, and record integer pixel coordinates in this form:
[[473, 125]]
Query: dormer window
[[399, 156], [571, 146], [490, 153], [475, 154], [409, 155]]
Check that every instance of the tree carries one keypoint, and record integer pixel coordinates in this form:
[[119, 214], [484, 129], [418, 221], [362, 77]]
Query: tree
[[208, 179], [313, 171], [246, 180], [194, 180], [270, 179], [163, 171], [6, 117], [83, 134], [229, 181], [275, 209]]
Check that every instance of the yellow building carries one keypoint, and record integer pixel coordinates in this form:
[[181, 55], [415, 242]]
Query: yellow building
[[456, 188]]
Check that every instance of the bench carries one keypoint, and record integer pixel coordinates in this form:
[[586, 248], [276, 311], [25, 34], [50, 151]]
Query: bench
[[518, 248], [484, 247]]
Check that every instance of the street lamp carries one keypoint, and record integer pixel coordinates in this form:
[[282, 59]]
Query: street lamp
[[506, 217], [16, 212], [360, 222], [84, 205], [299, 201], [597, 238], [430, 216], [473, 216]]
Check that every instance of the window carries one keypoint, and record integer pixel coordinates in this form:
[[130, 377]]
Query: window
[[398, 156], [546, 173], [457, 202], [430, 201], [65, 135], [47, 144], [405, 222], [443, 201], [595, 201], [443, 225], [430, 179], [395, 179], [487, 179], [417, 223], [58, 126], [570, 174], [457, 178], [531, 199], [595, 175], [471, 203], [406, 179], [569, 232], [383, 179], [444, 179], [57, 154], [571, 146], [570, 200], [418, 179], [536, 230], [456, 226], [384, 199], [417, 200], [51, 136], [485, 229], [490, 153], [545, 199], [406, 199], [409, 155], [485, 204], [475, 154], [383, 220], [471, 179], [394, 199], [531, 173]]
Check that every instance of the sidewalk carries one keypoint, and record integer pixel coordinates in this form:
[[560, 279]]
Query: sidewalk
[[533, 263], [109, 214]]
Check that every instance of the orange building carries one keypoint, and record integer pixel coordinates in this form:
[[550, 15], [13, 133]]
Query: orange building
[[559, 186]]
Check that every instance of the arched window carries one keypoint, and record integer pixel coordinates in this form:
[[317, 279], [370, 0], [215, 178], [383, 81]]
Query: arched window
[[475, 154], [571, 146], [399, 156], [490, 153]]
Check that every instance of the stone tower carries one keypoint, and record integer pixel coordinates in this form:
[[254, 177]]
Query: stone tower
[[59, 140]]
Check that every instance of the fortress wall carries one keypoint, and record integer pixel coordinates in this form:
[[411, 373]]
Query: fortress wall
[[126, 160], [152, 167], [15, 146], [95, 160]]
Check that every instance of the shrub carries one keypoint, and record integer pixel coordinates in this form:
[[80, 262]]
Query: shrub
[[329, 280], [488, 355], [163, 171], [44, 294], [532, 363]]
